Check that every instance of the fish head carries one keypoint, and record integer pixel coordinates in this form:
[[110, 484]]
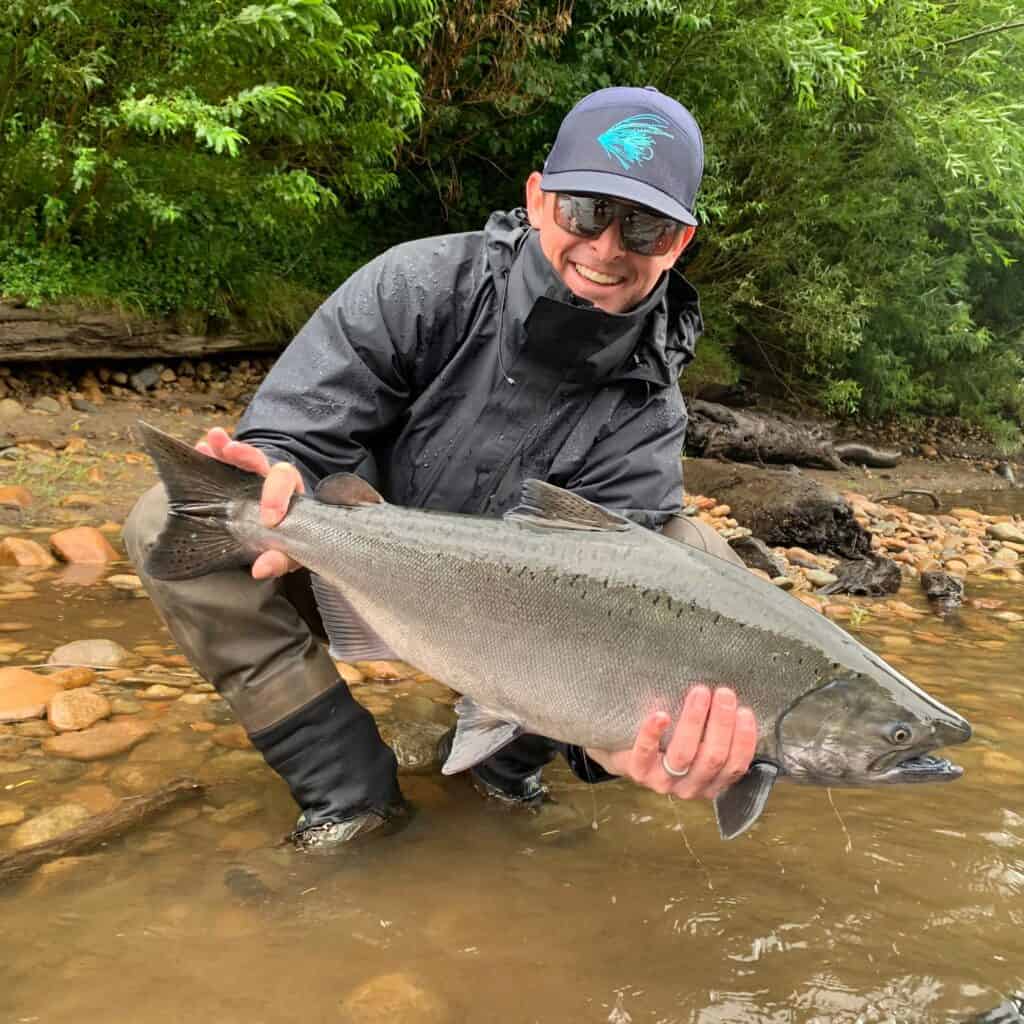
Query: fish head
[[860, 731]]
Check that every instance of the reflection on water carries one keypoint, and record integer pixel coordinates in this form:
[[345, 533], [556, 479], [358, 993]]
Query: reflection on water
[[901, 904]]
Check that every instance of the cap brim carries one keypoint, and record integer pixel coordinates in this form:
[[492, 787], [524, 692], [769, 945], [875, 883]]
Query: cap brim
[[604, 183]]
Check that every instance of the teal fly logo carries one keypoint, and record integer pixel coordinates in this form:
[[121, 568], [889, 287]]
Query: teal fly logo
[[631, 140]]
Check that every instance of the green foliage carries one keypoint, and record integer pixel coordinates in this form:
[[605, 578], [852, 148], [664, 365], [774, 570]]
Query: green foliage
[[862, 211], [168, 153]]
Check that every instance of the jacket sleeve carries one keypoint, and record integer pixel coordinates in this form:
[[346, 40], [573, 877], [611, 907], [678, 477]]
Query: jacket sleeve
[[635, 466], [355, 367]]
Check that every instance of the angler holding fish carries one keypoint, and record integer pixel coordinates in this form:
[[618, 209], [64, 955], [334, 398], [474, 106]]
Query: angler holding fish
[[453, 375]]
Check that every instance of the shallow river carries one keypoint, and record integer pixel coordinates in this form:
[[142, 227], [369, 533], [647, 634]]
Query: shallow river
[[616, 905]]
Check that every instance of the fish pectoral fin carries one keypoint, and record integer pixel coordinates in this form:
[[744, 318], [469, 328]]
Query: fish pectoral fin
[[479, 733], [544, 504], [350, 637], [346, 489], [742, 803]]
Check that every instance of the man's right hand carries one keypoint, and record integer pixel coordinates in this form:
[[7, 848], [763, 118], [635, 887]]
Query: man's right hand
[[281, 481]]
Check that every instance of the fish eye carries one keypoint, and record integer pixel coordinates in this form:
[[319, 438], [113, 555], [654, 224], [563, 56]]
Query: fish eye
[[900, 733]]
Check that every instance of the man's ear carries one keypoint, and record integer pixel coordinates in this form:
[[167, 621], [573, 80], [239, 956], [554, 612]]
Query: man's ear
[[535, 200], [684, 239]]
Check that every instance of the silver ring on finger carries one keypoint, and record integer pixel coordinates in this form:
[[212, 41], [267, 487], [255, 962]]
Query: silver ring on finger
[[674, 772]]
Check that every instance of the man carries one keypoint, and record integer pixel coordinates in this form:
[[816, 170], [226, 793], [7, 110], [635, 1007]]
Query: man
[[446, 371]]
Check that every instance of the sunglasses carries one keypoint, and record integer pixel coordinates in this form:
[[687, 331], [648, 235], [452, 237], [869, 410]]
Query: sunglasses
[[643, 232]]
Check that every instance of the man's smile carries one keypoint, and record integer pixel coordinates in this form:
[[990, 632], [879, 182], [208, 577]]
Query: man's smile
[[595, 276]]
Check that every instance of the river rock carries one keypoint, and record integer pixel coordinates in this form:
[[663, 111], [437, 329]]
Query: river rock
[[158, 692], [15, 497], [25, 553], [385, 669], [414, 743], [73, 710], [757, 555], [124, 581], [73, 678], [98, 653], [1006, 556], [24, 694], [232, 736], [10, 408], [1007, 532], [94, 797], [83, 544], [47, 404], [103, 740], [11, 813], [80, 500], [819, 577], [48, 825], [393, 999]]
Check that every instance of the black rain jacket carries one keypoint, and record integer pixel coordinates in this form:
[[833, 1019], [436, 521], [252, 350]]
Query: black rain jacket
[[448, 370]]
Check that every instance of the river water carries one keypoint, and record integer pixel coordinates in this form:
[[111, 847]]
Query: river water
[[614, 905]]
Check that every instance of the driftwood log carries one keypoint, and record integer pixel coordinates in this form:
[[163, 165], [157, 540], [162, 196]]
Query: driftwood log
[[782, 508], [98, 829], [718, 432], [32, 335]]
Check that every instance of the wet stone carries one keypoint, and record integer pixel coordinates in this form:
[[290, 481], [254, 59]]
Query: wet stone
[[38, 730], [23, 694], [385, 669], [48, 825], [71, 710], [232, 736], [14, 627], [414, 743], [73, 678], [235, 811], [123, 706], [94, 797], [232, 766], [140, 778], [393, 998], [100, 741], [124, 581], [158, 691], [11, 813], [97, 653], [819, 577], [83, 544], [15, 497], [1007, 532], [25, 553]]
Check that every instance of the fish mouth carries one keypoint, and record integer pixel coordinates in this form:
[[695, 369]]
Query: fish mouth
[[915, 768]]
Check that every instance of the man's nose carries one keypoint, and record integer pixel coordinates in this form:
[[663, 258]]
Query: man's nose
[[608, 245]]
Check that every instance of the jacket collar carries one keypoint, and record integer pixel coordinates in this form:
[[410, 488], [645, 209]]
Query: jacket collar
[[650, 343]]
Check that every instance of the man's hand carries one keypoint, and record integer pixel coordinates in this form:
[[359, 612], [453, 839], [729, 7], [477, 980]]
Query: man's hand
[[714, 742], [280, 483]]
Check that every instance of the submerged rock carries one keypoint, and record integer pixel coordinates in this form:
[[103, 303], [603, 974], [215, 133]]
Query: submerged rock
[[72, 710], [414, 743], [48, 825], [11, 813], [25, 553], [83, 544], [98, 653], [393, 999], [24, 694], [100, 741]]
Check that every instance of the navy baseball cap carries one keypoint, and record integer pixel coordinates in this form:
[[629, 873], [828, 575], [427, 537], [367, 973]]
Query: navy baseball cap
[[629, 143]]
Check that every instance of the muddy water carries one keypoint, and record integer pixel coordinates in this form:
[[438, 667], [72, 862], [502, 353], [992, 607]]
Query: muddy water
[[615, 905]]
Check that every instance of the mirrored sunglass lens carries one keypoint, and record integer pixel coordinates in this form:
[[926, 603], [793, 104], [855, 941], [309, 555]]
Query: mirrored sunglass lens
[[582, 215], [649, 235]]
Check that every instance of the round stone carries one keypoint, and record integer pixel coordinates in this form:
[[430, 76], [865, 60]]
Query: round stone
[[71, 710], [97, 653], [48, 825]]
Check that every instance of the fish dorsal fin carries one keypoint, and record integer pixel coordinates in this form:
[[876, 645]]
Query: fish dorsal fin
[[351, 639], [479, 733], [347, 489], [742, 803], [546, 505]]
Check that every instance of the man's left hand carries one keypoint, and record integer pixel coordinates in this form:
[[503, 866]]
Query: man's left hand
[[713, 742]]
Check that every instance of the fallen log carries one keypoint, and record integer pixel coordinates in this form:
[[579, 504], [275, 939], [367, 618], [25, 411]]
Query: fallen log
[[35, 335], [784, 509], [99, 829]]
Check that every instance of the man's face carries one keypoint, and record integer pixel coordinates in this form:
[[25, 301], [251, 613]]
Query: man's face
[[597, 269]]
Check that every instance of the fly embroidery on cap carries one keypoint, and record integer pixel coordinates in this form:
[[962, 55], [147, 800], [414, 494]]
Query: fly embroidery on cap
[[631, 140]]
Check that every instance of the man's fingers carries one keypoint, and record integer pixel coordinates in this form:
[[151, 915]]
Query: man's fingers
[[281, 483], [218, 439], [744, 745], [646, 753], [714, 750], [271, 564], [682, 748], [245, 456]]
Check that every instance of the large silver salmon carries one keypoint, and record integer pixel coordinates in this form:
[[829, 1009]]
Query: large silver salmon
[[566, 620]]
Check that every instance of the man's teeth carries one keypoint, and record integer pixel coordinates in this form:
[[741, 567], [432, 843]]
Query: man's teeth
[[596, 276]]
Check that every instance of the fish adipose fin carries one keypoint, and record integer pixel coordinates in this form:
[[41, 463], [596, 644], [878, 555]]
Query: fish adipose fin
[[546, 505], [742, 803], [479, 733], [346, 489], [350, 637], [200, 490]]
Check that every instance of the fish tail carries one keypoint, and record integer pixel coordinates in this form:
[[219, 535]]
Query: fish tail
[[196, 538]]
